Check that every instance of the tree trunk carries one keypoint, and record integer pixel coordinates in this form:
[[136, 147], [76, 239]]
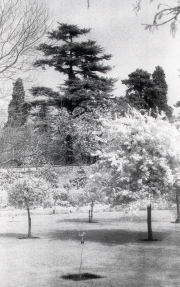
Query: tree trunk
[[69, 150], [150, 237], [54, 209], [29, 223], [178, 206]]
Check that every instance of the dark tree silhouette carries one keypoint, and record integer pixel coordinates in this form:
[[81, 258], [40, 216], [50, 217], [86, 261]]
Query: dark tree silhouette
[[81, 63], [146, 91], [17, 109]]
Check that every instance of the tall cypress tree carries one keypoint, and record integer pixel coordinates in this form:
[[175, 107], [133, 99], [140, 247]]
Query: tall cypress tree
[[17, 109], [160, 90]]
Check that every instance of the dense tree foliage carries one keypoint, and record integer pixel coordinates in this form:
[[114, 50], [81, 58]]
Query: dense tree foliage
[[82, 64], [146, 91], [17, 109], [139, 158], [24, 195]]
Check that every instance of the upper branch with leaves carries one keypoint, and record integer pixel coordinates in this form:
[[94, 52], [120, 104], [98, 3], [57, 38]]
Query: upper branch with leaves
[[164, 14]]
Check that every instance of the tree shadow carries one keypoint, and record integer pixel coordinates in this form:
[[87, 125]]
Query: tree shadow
[[105, 236], [12, 235], [78, 220], [83, 276], [17, 236]]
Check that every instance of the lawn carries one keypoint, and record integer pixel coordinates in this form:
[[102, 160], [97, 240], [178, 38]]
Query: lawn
[[114, 249]]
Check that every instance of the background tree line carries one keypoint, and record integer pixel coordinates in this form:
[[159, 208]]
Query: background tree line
[[48, 128]]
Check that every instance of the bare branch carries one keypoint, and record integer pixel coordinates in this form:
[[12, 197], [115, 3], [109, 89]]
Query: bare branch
[[22, 24]]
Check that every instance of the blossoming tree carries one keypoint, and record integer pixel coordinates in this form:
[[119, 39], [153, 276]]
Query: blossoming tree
[[139, 158], [24, 195]]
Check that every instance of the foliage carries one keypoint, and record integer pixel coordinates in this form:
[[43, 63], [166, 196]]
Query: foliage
[[21, 146], [159, 91], [48, 181], [146, 91], [17, 109], [42, 184], [81, 62], [83, 91], [23, 194], [139, 158], [76, 192]]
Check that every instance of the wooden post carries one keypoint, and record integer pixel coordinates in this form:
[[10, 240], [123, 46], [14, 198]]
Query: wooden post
[[92, 210], [29, 223], [89, 216], [150, 237]]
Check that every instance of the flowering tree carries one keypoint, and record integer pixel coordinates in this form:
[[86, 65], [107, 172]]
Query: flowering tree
[[139, 158], [24, 195]]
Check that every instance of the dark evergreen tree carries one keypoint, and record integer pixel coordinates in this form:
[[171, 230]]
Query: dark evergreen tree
[[82, 63], [160, 90], [146, 91], [138, 84], [17, 109]]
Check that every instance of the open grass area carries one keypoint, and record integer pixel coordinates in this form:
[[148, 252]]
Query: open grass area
[[114, 250]]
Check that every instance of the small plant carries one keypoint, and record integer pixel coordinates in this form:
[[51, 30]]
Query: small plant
[[81, 234]]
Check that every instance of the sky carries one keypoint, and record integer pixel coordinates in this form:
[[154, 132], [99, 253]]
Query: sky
[[116, 27]]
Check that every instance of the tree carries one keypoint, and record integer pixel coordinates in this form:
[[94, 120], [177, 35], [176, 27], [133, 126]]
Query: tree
[[159, 91], [24, 195], [137, 86], [146, 91], [81, 62], [17, 109], [23, 23], [139, 159]]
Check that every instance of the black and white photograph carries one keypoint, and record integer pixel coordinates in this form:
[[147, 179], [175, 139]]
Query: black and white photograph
[[89, 143]]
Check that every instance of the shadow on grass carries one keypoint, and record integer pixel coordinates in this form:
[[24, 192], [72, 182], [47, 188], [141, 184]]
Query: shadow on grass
[[26, 237], [17, 236], [83, 276], [78, 220], [12, 235], [105, 236]]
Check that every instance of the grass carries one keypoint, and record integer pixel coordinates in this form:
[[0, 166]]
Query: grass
[[113, 250]]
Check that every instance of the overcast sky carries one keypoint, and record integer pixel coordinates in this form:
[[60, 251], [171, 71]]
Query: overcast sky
[[119, 30]]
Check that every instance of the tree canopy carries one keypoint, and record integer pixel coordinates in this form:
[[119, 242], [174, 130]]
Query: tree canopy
[[82, 64], [146, 91], [139, 158]]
